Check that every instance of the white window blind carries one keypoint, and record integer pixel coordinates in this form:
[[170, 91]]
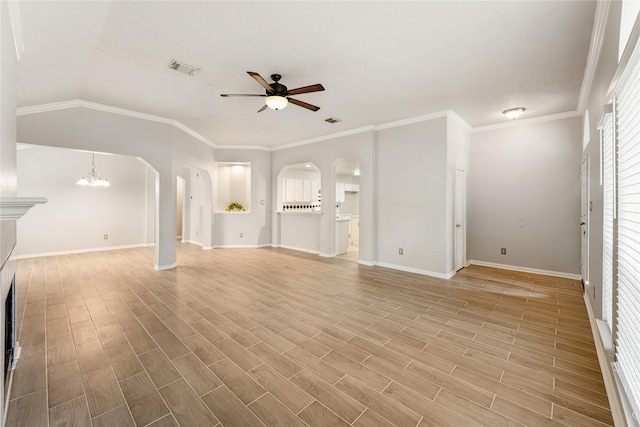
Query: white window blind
[[627, 343], [608, 181]]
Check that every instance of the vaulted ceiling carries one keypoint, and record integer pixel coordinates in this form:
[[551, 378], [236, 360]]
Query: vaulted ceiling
[[379, 61]]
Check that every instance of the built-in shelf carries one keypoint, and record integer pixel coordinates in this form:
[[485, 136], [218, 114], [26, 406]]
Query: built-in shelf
[[13, 208]]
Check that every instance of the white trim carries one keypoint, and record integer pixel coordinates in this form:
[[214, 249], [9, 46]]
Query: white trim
[[78, 103], [325, 255], [412, 120], [325, 137], [240, 246], [605, 335], [165, 267], [597, 38], [527, 269], [13, 208], [456, 118], [243, 147], [294, 248], [615, 402], [81, 251], [533, 120], [192, 242], [415, 270], [367, 263]]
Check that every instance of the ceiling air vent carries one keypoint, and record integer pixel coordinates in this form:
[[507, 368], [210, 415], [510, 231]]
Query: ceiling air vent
[[183, 68], [332, 120]]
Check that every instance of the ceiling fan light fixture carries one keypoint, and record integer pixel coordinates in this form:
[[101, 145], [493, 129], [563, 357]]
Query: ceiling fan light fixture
[[276, 102], [513, 113]]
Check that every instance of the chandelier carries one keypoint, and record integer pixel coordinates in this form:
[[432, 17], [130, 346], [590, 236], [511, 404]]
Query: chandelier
[[92, 179]]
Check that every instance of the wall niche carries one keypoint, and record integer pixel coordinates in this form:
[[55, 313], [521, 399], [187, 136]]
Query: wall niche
[[234, 187]]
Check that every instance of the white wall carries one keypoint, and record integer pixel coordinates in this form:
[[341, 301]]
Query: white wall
[[77, 217], [325, 155], [8, 85], [163, 146], [255, 224], [411, 196], [8, 63], [524, 195], [234, 185]]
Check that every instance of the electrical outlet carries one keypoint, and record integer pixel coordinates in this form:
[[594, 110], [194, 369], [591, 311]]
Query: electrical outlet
[[241, 235], [503, 251], [401, 251], [105, 237]]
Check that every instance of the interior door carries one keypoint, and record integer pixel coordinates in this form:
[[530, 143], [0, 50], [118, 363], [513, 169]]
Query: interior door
[[584, 220], [460, 219]]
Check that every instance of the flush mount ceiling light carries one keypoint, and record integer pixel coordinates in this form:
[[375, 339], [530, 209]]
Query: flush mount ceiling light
[[513, 113], [276, 102], [92, 179]]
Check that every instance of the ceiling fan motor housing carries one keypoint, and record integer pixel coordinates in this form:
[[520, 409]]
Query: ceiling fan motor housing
[[278, 88]]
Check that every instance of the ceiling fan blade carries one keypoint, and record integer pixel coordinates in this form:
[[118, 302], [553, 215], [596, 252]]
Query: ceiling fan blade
[[260, 80], [307, 89], [264, 107], [240, 94], [303, 104]]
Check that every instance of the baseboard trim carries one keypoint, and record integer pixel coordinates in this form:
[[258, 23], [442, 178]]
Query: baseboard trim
[[294, 248], [165, 267], [415, 270], [367, 263], [81, 251], [608, 376], [240, 246], [527, 269]]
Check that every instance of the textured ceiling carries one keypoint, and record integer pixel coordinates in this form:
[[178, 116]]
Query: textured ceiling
[[379, 61]]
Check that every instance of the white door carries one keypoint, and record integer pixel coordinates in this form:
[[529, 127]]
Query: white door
[[460, 219], [584, 220]]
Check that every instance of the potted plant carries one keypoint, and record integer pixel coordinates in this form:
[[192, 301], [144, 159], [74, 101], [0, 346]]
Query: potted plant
[[235, 207]]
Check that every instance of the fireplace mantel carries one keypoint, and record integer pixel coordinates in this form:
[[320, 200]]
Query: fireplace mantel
[[13, 208]]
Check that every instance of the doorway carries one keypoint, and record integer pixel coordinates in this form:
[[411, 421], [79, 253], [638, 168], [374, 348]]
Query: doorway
[[584, 221], [348, 208], [460, 208]]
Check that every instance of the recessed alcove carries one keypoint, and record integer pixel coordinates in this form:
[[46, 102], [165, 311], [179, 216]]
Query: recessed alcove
[[234, 186]]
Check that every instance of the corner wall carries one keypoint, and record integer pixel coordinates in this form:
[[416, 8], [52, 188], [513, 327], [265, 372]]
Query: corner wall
[[524, 195], [412, 189], [76, 218]]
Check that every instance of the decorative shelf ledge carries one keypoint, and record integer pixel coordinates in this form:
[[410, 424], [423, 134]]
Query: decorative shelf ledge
[[13, 208]]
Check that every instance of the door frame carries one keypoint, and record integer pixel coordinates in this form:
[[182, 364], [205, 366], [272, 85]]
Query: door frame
[[585, 168], [460, 263]]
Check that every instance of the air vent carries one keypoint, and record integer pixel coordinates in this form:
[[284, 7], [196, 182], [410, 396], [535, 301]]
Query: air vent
[[183, 68], [332, 120]]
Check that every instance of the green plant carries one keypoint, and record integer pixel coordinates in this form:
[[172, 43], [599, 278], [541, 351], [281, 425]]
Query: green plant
[[235, 206]]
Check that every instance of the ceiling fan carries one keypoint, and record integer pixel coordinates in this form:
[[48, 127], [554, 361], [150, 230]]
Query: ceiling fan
[[277, 94]]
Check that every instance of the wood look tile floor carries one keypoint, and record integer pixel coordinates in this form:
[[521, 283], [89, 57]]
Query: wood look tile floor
[[253, 337]]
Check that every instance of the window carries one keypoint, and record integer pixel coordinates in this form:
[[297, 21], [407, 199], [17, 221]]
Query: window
[[608, 179], [626, 238]]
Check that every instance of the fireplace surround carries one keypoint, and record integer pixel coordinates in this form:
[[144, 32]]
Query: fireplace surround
[[11, 209]]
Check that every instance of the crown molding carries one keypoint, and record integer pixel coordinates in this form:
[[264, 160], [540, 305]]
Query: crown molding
[[397, 123], [597, 39], [325, 138], [79, 103], [450, 114], [243, 147], [533, 120], [412, 120]]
